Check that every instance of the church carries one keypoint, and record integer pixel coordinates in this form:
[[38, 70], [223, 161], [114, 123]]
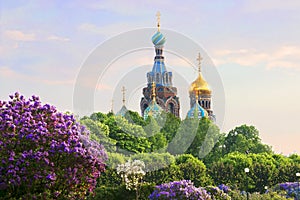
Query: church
[[160, 95]]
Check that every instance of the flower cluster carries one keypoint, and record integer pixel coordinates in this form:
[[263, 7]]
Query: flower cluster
[[132, 173], [45, 152], [224, 188], [292, 189], [217, 193], [184, 189]]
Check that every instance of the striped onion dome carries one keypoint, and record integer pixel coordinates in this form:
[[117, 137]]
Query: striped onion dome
[[158, 39]]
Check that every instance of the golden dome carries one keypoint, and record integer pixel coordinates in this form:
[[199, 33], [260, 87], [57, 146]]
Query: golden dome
[[200, 85]]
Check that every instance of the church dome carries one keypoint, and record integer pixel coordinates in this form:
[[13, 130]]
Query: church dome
[[158, 39], [197, 111], [153, 110], [199, 85]]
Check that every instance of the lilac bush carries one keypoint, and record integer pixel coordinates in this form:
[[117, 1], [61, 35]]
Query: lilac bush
[[184, 189], [292, 189], [218, 193], [45, 153]]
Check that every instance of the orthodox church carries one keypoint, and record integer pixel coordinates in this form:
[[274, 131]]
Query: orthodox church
[[160, 94], [166, 94]]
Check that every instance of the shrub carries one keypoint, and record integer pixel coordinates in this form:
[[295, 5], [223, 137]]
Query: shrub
[[184, 189], [217, 193], [120, 192], [44, 153]]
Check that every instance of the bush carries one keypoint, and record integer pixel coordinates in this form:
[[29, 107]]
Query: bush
[[44, 153], [179, 190], [120, 192]]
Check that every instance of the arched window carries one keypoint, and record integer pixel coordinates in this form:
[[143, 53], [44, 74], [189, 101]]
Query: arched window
[[171, 108]]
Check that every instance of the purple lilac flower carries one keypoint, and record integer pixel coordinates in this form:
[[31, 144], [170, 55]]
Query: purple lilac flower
[[42, 148]]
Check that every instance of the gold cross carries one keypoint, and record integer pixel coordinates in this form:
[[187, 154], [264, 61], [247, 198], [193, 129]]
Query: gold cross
[[123, 92], [199, 62], [158, 20]]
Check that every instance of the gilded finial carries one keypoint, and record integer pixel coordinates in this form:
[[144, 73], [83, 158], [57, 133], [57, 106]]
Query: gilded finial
[[123, 92], [153, 92], [199, 62], [158, 20]]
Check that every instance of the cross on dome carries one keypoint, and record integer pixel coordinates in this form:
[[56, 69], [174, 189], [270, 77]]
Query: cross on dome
[[158, 20], [123, 93], [199, 62]]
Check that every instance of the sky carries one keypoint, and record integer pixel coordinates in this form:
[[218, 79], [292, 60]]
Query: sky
[[251, 56]]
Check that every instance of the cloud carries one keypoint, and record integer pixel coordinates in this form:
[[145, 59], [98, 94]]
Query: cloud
[[108, 30], [286, 56], [7, 72], [19, 35], [270, 5], [58, 38]]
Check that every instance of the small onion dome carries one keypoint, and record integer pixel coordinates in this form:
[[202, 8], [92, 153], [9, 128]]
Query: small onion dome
[[158, 39], [197, 111], [200, 85], [152, 110], [123, 111]]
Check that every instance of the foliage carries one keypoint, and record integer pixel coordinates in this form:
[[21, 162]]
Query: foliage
[[158, 140], [292, 189], [192, 169], [130, 138], [216, 193], [179, 190], [205, 139], [44, 153], [170, 127], [99, 132], [245, 139], [154, 161], [230, 170], [120, 192]]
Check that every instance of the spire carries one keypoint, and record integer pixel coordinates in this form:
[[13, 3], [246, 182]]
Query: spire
[[153, 92], [123, 93], [158, 21], [199, 62], [112, 106]]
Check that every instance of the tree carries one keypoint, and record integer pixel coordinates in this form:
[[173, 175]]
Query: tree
[[45, 153], [170, 126], [192, 169], [100, 133], [245, 139], [206, 136], [157, 139], [230, 170], [131, 138]]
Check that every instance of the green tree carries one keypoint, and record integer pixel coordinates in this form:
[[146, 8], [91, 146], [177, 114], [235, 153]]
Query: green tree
[[245, 139], [205, 139], [130, 137], [184, 136], [170, 127], [192, 169], [229, 170], [100, 133]]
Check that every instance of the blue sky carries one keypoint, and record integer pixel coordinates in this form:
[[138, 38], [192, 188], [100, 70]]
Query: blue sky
[[255, 46]]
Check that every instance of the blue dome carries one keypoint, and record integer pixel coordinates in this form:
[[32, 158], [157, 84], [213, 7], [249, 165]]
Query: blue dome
[[152, 110], [122, 112], [197, 111], [158, 39]]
